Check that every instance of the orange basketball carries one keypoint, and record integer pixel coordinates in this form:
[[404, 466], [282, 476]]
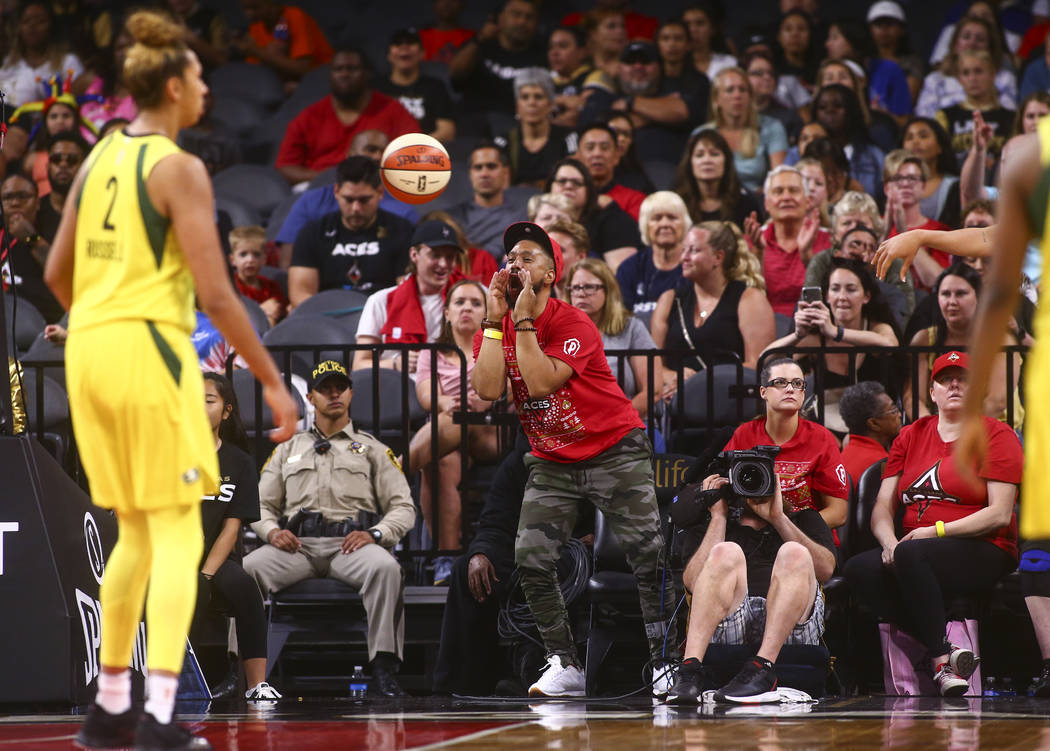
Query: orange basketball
[[415, 168]]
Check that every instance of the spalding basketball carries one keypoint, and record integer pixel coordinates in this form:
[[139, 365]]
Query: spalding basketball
[[415, 168]]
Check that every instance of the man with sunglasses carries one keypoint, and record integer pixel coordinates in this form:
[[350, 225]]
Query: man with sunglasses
[[755, 581], [347, 504], [65, 155]]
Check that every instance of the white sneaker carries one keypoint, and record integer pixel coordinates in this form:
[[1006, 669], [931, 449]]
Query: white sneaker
[[263, 691], [963, 661], [663, 679], [949, 683], [559, 680]]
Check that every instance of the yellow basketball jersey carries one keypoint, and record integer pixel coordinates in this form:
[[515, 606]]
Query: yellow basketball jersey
[[128, 264]]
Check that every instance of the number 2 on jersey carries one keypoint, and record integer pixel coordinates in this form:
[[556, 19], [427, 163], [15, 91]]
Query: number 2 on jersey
[[111, 183]]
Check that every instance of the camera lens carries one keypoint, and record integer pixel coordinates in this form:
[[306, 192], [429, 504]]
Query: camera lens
[[751, 478]]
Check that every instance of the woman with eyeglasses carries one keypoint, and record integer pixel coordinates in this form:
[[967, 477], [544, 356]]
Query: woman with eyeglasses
[[959, 538], [763, 77], [853, 313], [593, 289], [464, 311], [924, 137], [614, 235], [224, 584], [809, 465], [718, 311], [904, 174]]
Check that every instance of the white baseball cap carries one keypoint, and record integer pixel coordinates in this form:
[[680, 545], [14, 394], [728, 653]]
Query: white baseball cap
[[886, 9]]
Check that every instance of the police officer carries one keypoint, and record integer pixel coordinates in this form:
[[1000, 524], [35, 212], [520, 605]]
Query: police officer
[[345, 493]]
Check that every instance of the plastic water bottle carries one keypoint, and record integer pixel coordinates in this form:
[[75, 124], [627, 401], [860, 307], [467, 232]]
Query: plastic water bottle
[[991, 687], [358, 683], [1007, 688]]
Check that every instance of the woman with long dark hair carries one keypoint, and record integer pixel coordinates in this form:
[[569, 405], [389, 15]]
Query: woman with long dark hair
[[887, 85], [924, 137], [838, 109], [707, 181]]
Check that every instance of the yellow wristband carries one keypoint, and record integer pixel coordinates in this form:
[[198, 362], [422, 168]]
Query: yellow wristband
[[940, 529], [493, 334]]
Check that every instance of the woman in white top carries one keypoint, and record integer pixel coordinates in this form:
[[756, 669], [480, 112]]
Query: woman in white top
[[702, 21], [35, 56]]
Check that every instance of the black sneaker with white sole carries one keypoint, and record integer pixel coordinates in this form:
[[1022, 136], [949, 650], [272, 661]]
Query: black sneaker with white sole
[[101, 729], [156, 736], [691, 680], [756, 683]]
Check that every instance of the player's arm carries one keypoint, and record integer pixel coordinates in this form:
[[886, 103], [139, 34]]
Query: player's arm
[[58, 271], [973, 242], [180, 188]]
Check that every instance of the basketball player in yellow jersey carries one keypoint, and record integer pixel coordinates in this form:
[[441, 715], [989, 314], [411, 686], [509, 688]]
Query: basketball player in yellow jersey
[[136, 234]]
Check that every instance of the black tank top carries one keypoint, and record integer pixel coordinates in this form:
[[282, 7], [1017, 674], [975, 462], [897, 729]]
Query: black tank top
[[719, 334]]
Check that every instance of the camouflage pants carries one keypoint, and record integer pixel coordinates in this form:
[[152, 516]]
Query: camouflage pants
[[619, 482]]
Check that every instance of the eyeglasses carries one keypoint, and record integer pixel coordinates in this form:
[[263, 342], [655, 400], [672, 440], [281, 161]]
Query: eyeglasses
[[782, 383], [906, 179], [891, 411], [20, 195], [585, 289], [568, 182], [69, 159]]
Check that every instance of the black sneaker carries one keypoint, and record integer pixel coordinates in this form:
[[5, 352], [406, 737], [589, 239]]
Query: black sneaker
[[1041, 686], [154, 736], [101, 729], [691, 681], [754, 684]]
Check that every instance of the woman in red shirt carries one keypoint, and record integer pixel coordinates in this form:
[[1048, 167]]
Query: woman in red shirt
[[958, 539]]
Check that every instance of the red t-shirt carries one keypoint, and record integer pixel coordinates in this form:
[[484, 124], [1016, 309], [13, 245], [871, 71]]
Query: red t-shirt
[[943, 259], [482, 266], [317, 139], [303, 36], [930, 486], [268, 289], [628, 199], [589, 413], [785, 273], [860, 453], [441, 44], [809, 461], [638, 26]]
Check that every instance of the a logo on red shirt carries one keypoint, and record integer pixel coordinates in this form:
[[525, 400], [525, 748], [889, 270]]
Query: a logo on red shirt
[[571, 347], [840, 472], [926, 489]]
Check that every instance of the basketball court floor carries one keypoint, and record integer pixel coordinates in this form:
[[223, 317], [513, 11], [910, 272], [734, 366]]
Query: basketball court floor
[[324, 724]]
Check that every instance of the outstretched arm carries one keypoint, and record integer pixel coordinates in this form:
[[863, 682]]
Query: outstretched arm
[[973, 242]]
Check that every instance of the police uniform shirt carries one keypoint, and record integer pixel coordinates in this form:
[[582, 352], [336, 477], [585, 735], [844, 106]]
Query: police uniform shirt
[[238, 496], [367, 260], [358, 473]]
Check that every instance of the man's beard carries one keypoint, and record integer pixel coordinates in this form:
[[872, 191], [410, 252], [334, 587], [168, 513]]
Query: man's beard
[[635, 88]]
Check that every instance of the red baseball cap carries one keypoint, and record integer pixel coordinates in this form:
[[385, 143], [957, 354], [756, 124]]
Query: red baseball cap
[[519, 231], [950, 360]]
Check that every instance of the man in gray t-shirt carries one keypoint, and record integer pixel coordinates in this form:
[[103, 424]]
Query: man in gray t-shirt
[[491, 210]]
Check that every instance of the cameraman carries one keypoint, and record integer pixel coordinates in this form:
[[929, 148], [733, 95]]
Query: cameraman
[[753, 581]]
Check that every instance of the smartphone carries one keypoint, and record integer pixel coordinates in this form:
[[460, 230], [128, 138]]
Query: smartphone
[[811, 294]]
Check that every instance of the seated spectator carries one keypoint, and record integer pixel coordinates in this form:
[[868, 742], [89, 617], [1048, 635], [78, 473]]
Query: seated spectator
[[105, 79], [977, 77], [463, 314], [905, 174], [838, 109], [575, 247], [441, 40], [360, 246], [35, 55], [657, 266], [606, 31], [341, 530], [535, 144], [316, 202], [887, 85], [491, 210], [248, 256], [809, 133], [24, 248], [889, 32], [222, 579], [675, 52], [928, 140], [816, 185], [1036, 77], [320, 135], [569, 65], [206, 31], [412, 311], [853, 313], [873, 420], [483, 67], [960, 538], [614, 236], [638, 25], [547, 208], [284, 38], [599, 152], [789, 240], [883, 128], [756, 580], [703, 21], [593, 289], [425, 97], [473, 263], [836, 168], [795, 57], [717, 310], [1034, 107], [763, 78], [708, 182], [942, 87], [67, 152], [759, 143], [957, 290], [629, 170], [1010, 24]]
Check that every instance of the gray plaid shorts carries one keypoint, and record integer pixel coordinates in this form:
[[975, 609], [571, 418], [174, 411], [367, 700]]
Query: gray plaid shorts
[[746, 624]]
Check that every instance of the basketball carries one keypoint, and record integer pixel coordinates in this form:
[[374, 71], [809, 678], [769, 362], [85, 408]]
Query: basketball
[[415, 168]]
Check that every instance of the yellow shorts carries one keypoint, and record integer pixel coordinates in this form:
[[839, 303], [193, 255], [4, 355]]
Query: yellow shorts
[[1035, 503], [136, 398]]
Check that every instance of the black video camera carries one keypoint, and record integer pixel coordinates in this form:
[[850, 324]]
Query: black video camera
[[751, 474]]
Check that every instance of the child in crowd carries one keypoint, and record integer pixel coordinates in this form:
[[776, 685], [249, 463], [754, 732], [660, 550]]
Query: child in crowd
[[247, 256]]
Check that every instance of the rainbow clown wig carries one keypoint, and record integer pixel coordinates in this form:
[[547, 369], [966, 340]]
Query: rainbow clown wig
[[56, 91]]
